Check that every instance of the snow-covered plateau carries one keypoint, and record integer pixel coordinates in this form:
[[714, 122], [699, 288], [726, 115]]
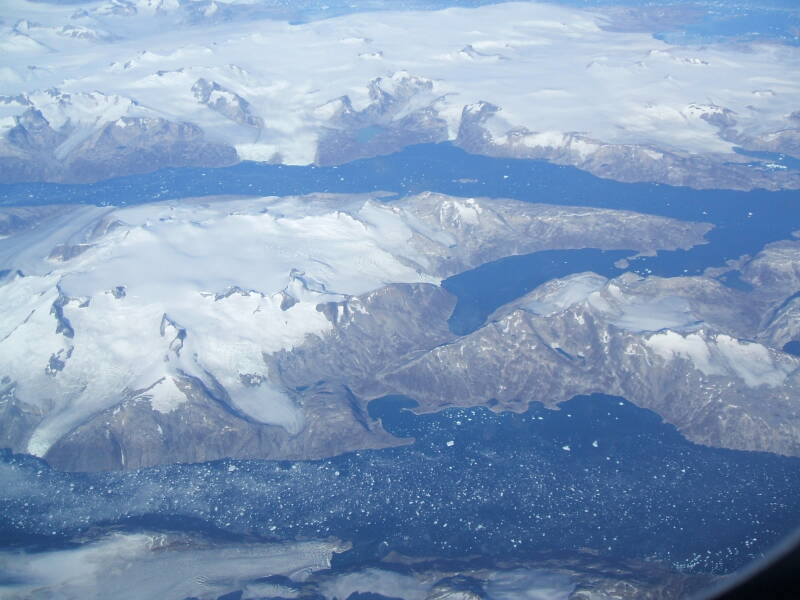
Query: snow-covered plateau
[[110, 88]]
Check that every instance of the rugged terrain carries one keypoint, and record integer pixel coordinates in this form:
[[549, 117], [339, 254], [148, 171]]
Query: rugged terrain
[[194, 330]]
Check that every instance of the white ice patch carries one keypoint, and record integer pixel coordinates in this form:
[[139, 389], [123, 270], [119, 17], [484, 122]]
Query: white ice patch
[[165, 396], [626, 309], [752, 362], [653, 314], [724, 355], [457, 213], [135, 566], [693, 347], [268, 404], [468, 211]]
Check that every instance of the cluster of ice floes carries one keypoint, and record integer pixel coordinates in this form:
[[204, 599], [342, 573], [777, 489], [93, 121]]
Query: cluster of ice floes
[[538, 62], [131, 302]]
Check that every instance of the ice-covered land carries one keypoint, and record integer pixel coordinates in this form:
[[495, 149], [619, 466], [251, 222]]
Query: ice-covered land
[[672, 318], [192, 289], [106, 305], [568, 85], [165, 565], [631, 311], [143, 565]]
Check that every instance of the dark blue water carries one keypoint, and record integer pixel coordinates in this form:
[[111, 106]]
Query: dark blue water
[[792, 347], [482, 290], [783, 160], [745, 21], [599, 473]]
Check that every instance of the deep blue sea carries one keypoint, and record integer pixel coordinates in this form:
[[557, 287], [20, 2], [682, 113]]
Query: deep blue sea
[[599, 473]]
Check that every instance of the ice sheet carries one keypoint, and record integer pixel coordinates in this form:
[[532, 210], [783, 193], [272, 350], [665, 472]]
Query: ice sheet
[[553, 70]]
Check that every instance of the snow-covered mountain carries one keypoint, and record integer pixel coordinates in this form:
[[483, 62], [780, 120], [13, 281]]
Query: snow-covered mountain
[[260, 327], [174, 308], [193, 83], [681, 347]]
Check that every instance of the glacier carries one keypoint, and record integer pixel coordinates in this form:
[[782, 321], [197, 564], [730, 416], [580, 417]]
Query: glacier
[[220, 271]]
